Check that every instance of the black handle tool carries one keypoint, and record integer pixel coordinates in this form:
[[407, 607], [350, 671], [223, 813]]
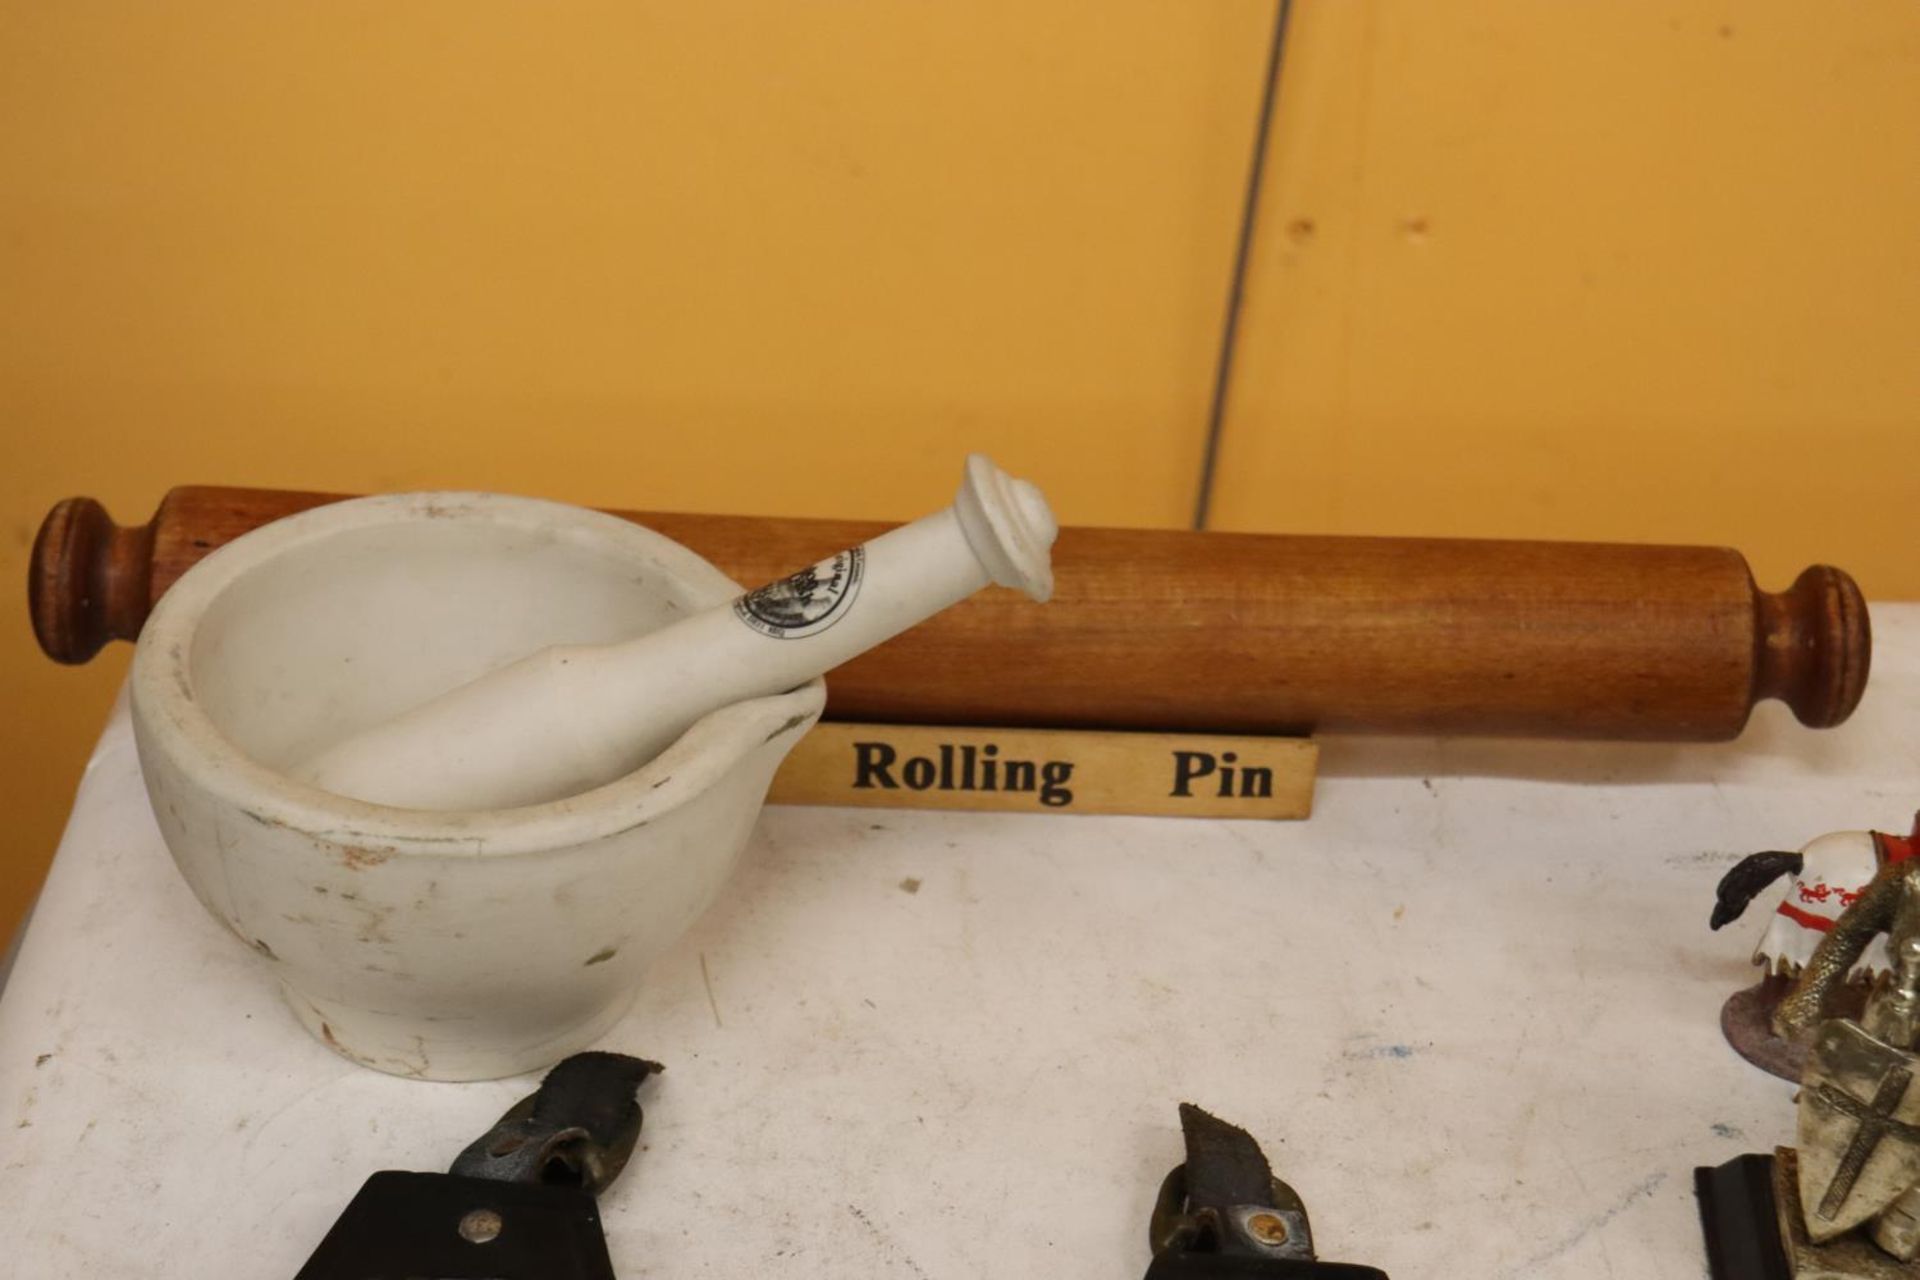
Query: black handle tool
[[518, 1203], [1223, 1215]]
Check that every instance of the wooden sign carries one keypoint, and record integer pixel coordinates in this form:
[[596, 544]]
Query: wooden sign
[[892, 766]]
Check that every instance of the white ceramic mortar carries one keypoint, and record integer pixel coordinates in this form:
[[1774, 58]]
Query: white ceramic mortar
[[448, 946]]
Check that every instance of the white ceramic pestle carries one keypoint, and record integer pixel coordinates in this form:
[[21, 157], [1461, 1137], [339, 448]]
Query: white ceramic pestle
[[571, 718]]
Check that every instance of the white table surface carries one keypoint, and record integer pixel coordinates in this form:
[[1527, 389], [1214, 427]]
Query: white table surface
[[1469, 1009]]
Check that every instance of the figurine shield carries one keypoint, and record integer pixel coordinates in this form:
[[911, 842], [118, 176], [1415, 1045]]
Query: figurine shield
[[1859, 1128]]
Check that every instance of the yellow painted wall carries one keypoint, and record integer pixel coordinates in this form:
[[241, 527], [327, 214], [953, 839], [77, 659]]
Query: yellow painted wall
[[1639, 271], [726, 255], [1577, 269]]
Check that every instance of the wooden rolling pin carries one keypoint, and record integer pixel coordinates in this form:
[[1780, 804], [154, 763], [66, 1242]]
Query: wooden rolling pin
[[1182, 631]]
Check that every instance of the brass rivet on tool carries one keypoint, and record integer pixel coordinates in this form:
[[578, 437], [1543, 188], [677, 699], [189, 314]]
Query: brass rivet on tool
[[1267, 1228], [482, 1225]]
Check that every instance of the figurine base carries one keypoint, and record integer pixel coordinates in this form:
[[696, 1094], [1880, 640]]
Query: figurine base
[[1851, 1257], [1739, 1220], [1746, 1020], [1751, 1217]]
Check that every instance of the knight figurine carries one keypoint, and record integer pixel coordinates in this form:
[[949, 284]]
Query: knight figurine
[[1859, 1134], [1845, 1202], [1824, 878]]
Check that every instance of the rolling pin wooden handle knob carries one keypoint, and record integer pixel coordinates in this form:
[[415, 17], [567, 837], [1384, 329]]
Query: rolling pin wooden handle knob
[[87, 580], [1812, 646]]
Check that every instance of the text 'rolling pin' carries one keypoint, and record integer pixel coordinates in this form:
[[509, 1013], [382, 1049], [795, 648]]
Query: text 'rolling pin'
[[570, 718]]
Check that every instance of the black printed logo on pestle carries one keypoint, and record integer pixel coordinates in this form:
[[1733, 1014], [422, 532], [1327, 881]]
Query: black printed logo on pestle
[[805, 603]]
